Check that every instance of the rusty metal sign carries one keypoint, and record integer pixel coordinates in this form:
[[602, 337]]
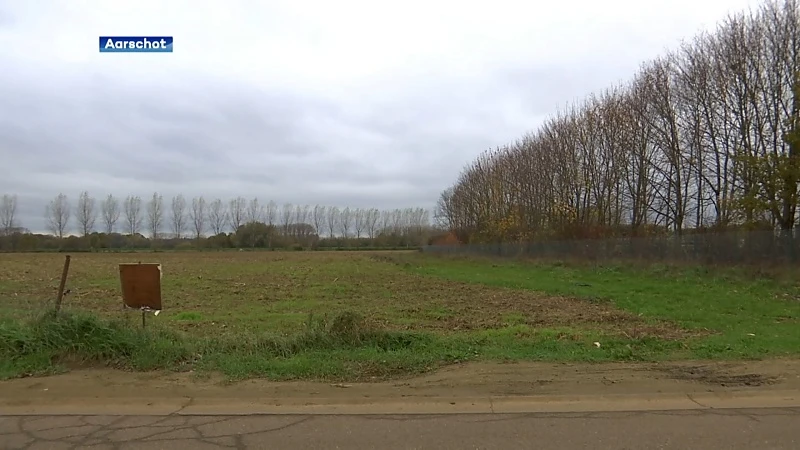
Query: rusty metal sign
[[141, 285]]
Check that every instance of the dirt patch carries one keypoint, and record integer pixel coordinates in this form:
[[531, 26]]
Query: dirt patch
[[499, 307], [474, 306], [719, 376]]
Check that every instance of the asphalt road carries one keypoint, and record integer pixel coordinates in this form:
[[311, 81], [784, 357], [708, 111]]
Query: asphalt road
[[705, 429]]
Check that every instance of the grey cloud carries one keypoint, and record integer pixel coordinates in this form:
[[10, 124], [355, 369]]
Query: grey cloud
[[217, 140], [116, 125], [223, 142]]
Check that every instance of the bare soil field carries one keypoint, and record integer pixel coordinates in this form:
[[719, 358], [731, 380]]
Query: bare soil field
[[219, 292], [367, 316]]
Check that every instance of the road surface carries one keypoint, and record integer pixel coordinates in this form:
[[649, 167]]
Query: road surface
[[693, 405], [705, 429]]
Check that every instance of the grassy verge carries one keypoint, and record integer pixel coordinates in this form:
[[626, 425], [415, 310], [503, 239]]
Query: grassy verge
[[343, 348], [751, 315]]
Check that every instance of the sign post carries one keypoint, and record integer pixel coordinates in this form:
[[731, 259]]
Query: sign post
[[141, 287], [63, 283]]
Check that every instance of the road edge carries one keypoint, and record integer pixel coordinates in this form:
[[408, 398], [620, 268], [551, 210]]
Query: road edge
[[377, 406]]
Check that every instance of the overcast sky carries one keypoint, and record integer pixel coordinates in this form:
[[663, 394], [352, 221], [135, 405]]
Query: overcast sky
[[347, 103]]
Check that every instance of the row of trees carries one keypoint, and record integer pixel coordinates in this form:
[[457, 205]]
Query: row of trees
[[707, 136], [250, 220]]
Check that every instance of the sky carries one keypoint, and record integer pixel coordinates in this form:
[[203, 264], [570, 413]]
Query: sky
[[348, 103]]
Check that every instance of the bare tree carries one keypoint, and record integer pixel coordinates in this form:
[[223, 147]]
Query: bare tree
[[155, 215], [698, 137], [444, 213], [418, 223], [333, 221], [271, 212], [58, 213], [178, 216], [133, 214], [397, 222], [301, 214], [86, 213], [255, 211], [318, 217], [346, 221], [217, 216], [198, 216], [8, 212], [385, 220], [110, 211], [237, 209], [286, 217], [372, 221], [359, 221]]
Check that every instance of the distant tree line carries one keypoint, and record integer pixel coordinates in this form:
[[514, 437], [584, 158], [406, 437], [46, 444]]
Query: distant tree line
[[706, 137], [132, 222]]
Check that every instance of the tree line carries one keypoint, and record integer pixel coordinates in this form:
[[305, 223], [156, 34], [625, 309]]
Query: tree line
[[705, 137], [113, 222]]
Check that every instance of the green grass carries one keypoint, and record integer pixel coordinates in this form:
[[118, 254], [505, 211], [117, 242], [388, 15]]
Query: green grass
[[355, 316], [342, 348], [751, 316]]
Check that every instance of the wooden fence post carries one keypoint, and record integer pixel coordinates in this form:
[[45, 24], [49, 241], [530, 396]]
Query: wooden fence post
[[62, 285]]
